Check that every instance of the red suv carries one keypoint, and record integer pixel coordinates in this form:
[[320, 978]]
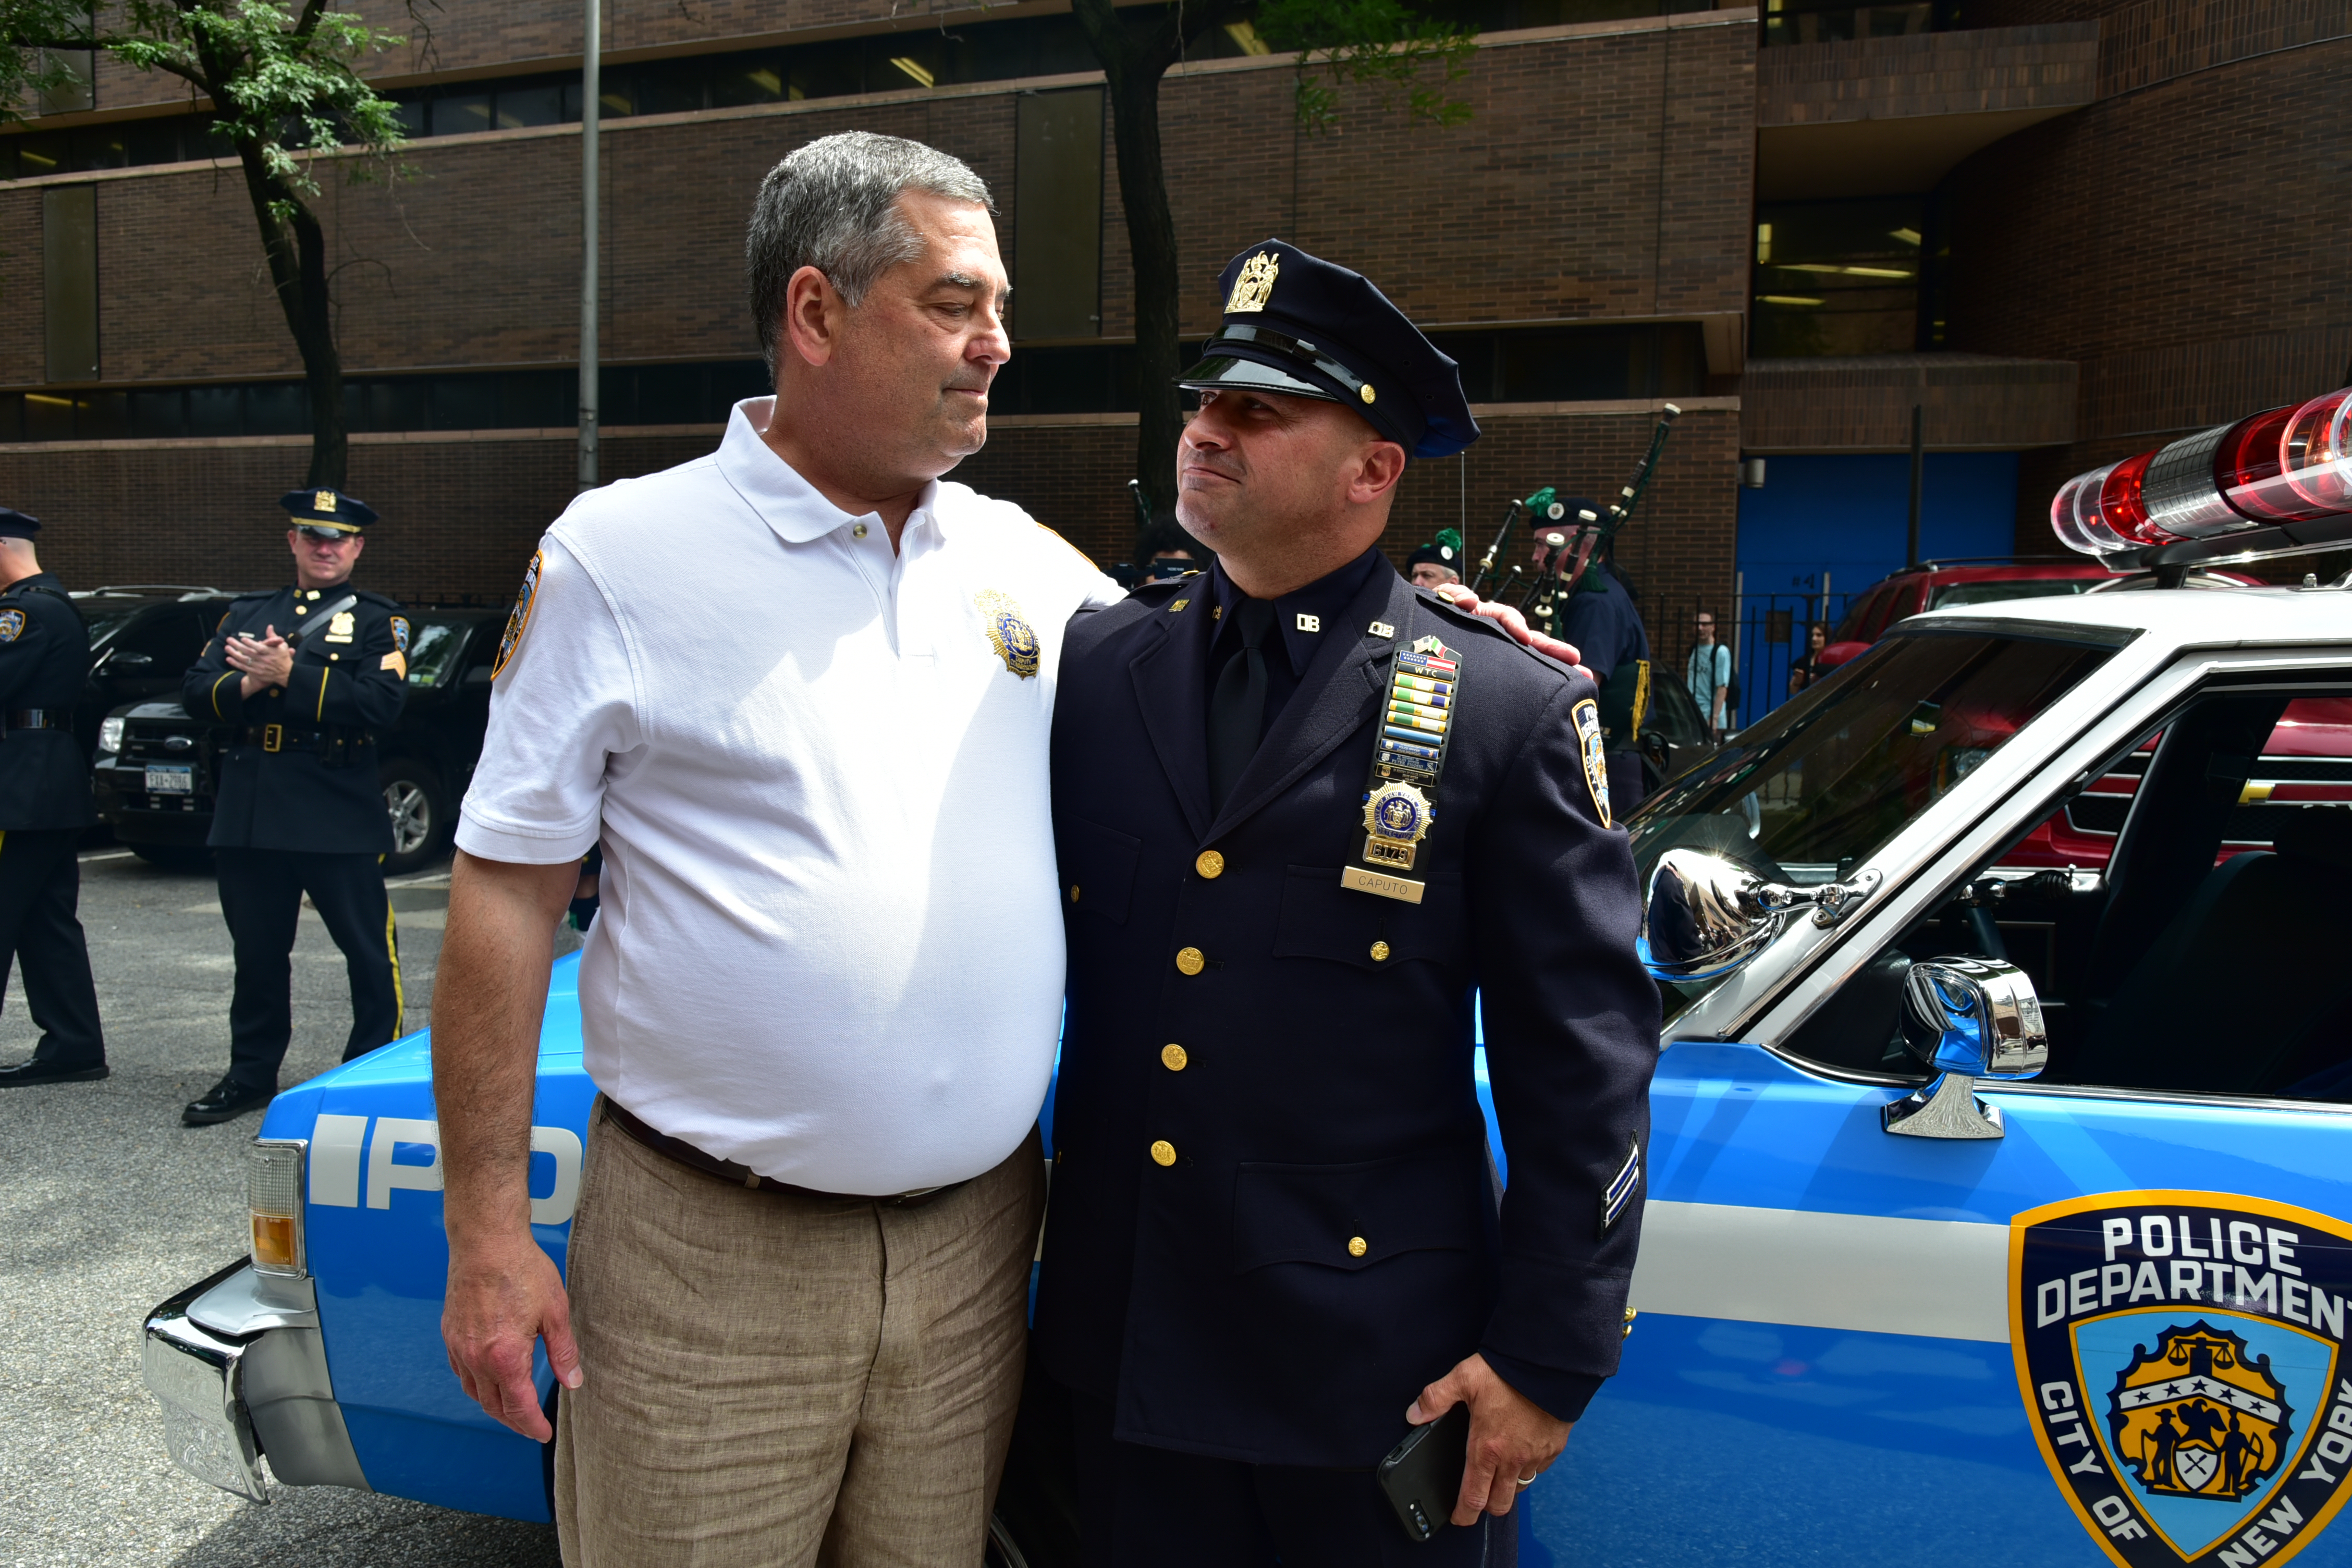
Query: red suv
[[1949, 584]]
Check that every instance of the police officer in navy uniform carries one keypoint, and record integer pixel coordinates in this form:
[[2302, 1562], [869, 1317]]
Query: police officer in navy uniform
[[44, 806], [1306, 815], [307, 677]]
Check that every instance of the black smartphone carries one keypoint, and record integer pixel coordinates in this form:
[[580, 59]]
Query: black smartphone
[[1421, 1476]]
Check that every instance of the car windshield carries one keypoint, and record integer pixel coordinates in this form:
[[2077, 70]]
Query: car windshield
[[431, 647], [103, 624], [1833, 774], [1952, 596]]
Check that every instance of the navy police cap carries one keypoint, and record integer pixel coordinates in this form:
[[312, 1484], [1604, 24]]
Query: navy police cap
[[327, 509], [1299, 325], [15, 524]]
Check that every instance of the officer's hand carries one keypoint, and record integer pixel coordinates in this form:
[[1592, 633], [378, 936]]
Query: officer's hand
[[1511, 621], [502, 1301], [266, 660], [1510, 1435]]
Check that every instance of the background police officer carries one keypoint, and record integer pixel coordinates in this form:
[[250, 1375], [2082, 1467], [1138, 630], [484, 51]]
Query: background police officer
[[1601, 619], [1273, 1224], [306, 676], [44, 805]]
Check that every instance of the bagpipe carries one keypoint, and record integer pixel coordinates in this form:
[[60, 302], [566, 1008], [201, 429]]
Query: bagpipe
[[1569, 542]]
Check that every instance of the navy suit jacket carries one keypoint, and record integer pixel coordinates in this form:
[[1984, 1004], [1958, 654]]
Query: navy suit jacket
[[1326, 1093]]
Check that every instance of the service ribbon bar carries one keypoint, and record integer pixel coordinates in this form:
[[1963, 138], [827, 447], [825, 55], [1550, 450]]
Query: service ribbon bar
[[1415, 718]]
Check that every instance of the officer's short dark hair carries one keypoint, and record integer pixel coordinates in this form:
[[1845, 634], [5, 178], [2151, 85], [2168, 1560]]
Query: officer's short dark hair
[[833, 205]]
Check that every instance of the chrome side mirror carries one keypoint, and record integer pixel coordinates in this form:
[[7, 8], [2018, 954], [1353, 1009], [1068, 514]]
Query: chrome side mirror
[[1706, 916], [1968, 1018]]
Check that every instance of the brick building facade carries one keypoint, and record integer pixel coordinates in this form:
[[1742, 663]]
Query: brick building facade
[[2119, 227], [1623, 200]]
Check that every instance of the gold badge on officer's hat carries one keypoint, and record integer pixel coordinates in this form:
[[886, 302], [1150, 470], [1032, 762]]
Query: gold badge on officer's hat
[[323, 502], [520, 619], [1255, 284], [1014, 639], [1596, 761]]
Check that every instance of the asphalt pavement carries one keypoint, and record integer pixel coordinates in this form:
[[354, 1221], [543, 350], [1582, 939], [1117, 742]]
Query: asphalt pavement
[[108, 1205]]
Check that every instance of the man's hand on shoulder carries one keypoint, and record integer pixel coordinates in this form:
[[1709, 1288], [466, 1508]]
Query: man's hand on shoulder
[[1511, 620], [1511, 1437]]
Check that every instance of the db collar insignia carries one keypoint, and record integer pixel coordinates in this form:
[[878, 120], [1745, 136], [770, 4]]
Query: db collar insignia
[[2181, 1355], [1014, 639]]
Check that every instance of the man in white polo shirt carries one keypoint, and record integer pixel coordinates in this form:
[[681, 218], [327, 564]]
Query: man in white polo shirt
[[800, 690]]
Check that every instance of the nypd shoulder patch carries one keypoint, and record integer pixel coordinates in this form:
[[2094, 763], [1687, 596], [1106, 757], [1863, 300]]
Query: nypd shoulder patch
[[1591, 743], [518, 621], [12, 624], [2181, 1356]]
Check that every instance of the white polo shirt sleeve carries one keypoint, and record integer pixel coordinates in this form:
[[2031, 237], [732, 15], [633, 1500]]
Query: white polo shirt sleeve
[[563, 707]]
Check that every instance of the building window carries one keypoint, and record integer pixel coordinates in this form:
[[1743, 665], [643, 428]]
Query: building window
[[1839, 277], [1841, 21], [1058, 209], [69, 280]]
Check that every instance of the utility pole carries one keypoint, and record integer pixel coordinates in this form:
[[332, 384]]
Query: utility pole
[[1919, 474], [591, 121]]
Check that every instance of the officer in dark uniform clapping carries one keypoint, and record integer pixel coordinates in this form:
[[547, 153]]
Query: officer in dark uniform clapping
[[1306, 814], [44, 805], [306, 676]]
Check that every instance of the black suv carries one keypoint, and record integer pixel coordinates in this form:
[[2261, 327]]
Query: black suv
[[142, 637], [155, 767]]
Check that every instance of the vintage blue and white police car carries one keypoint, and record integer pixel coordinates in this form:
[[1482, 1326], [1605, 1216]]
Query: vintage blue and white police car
[[1998, 1211]]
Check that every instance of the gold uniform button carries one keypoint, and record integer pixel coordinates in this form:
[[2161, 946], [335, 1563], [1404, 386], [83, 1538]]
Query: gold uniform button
[[1358, 1247], [1211, 865], [1163, 1152], [1173, 1058], [1380, 953], [1190, 961], [1074, 892]]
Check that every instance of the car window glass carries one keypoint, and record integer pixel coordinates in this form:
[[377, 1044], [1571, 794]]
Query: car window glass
[[431, 646], [1861, 621], [1953, 595], [106, 622], [1836, 772], [172, 636], [2196, 946]]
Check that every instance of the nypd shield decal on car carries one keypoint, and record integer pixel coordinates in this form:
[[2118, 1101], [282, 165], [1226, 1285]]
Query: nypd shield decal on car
[[2182, 1354]]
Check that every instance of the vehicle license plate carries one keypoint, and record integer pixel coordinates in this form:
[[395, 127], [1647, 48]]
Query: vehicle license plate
[[170, 780]]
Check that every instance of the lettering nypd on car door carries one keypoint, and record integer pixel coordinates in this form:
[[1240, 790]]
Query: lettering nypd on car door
[[2183, 1354], [336, 1166]]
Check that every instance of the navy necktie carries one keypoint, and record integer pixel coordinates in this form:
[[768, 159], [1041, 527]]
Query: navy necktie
[[1237, 705]]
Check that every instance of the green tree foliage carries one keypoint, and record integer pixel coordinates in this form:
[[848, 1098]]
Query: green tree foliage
[[1381, 44], [287, 96], [1370, 43]]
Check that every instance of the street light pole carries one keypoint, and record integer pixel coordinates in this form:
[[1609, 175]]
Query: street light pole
[[591, 120]]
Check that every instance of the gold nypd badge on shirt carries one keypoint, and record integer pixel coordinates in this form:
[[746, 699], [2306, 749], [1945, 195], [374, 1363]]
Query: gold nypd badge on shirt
[[1396, 818], [1009, 632]]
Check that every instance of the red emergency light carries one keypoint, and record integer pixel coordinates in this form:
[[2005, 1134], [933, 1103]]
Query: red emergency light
[[2285, 465]]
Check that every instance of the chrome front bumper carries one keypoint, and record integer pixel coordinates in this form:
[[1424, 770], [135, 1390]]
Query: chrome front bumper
[[237, 1364]]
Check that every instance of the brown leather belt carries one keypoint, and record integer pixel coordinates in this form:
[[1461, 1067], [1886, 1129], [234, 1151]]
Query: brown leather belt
[[743, 1176]]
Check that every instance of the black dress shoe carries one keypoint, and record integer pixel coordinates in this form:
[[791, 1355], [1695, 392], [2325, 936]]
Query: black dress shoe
[[25, 1074], [226, 1102]]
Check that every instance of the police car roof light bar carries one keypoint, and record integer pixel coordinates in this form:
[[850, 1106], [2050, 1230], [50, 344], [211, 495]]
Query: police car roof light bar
[[2289, 465]]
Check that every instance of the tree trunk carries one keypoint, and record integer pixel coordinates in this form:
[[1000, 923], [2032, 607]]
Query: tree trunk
[[1135, 52], [295, 250]]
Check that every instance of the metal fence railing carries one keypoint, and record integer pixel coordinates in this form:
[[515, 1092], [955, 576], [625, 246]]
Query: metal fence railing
[[1767, 633]]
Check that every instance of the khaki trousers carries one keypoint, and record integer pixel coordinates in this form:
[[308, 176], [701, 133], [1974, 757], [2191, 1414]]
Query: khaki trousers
[[773, 1381]]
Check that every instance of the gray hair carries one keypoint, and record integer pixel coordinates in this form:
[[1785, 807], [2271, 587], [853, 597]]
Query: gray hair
[[833, 205]]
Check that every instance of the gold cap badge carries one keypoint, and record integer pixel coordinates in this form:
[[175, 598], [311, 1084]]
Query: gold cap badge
[[323, 501], [1255, 285], [1365, 392]]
